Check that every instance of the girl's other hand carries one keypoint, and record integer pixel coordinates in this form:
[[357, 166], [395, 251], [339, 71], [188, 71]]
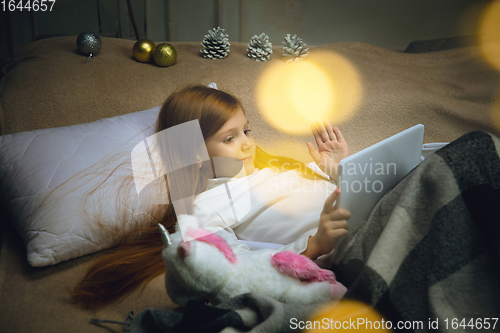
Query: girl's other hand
[[332, 226], [332, 147]]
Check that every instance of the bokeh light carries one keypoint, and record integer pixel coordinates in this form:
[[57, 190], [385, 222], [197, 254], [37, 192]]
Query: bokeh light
[[489, 34], [489, 43], [347, 315], [291, 96], [495, 113]]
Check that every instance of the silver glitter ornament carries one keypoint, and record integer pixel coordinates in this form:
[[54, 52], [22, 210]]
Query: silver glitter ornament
[[88, 43]]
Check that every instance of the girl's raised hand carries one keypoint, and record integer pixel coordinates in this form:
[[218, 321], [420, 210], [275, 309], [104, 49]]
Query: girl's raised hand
[[332, 226], [332, 147]]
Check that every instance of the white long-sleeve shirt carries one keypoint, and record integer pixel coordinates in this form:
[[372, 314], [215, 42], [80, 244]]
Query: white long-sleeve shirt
[[266, 206]]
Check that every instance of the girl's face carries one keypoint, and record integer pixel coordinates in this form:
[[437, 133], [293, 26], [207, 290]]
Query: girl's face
[[234, 139]]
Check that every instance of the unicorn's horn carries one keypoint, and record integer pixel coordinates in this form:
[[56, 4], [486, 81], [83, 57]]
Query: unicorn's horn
[[164, 235]]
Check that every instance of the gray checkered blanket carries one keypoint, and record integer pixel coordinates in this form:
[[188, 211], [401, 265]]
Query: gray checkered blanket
[[431, 247], [428, 257]]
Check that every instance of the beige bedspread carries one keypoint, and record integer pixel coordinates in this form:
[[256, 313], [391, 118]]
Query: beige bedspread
[[48, 84]]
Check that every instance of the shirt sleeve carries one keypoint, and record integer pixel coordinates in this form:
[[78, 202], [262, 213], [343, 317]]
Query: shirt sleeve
[[214, 223], [300, 245]]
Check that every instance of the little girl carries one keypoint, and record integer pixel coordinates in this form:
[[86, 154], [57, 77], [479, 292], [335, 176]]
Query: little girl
[[279, 200]]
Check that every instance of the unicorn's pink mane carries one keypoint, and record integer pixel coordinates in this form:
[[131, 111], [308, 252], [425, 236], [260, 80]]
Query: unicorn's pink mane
[[206, 236], [301, 267]]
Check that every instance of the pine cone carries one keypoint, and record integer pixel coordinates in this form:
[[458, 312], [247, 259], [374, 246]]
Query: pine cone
[[294, 48], [260, 48], [216, 44]]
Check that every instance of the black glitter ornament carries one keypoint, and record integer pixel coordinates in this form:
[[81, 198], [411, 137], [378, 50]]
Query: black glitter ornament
[[88, 43]]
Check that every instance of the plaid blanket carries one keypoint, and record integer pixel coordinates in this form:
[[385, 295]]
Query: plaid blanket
[[427, 259], [431, 247]]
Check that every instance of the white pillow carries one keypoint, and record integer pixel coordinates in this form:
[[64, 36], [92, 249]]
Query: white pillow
[[33, 164]]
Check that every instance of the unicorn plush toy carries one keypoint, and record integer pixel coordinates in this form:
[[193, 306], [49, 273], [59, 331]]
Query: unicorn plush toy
[[206, 265]]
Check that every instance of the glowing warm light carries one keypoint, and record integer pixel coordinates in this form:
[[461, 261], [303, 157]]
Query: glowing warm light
[[489, 31], [291, 96], [347, 315], [495, 112]]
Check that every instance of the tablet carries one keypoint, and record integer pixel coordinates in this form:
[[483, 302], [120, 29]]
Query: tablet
[[367, 175]]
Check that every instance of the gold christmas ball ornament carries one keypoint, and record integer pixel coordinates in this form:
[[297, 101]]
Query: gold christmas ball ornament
[[143, 50], [165, 55]]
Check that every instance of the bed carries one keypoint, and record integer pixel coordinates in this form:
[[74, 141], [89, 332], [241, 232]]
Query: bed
[[50, 85]]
